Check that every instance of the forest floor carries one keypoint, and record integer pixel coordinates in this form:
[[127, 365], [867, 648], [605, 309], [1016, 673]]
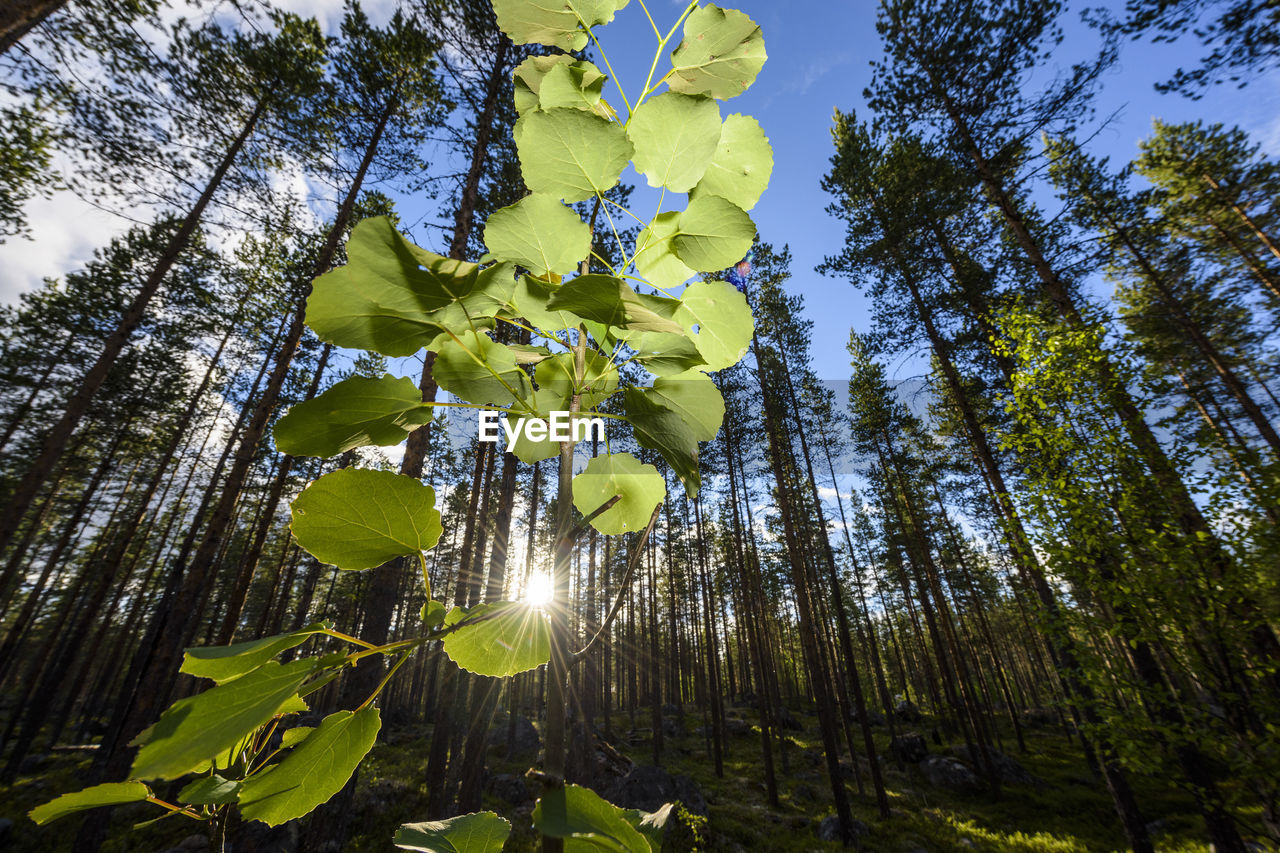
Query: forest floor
[[1065, 811]]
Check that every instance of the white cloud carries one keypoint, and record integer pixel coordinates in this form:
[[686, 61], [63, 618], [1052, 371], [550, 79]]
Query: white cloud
[[65, 232]]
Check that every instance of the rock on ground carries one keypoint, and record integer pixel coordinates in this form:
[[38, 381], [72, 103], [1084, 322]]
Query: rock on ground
[[1008, 769], [909, 747], [944, 772], [829, 829], [648, 788]]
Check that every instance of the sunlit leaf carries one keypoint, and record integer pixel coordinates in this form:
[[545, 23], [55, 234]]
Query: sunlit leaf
[[312, 772], [712, 234], [108, 794], [500, 639], [721, 54], [195, 730], [743, 162], [590, 822], [571, 154], [655, 254], [640, 486], [675, 137], [224, 663], [724, 322], [355, 518], [540, 234], [611, 301], [356, 412], [210, 791], [478, 832], [553, 22], [465, 368]]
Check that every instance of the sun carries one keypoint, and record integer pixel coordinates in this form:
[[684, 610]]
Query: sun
[[540, 590]]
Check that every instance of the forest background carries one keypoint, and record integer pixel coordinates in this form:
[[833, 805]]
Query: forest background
[[1015, 488]]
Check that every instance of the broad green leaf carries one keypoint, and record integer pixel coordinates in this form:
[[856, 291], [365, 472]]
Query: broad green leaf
[[655, 256], [580, 815], [538, 233], [569, 83], [108, 794], [526, 449], [381, 300], [600, 377], [553, 22], [675, 137], [224, 663], [713, 234], [721, 54], [743, 162], [295, 735], [573, 85], [526, 354], [461, 370], [313, 771], [640, 486], [210, 791], [195, 730], [666, 355], [652, 825], [356, 412], [507, 637], [432, 613], [724, 322], [695, 398], [571, 154], [659, 427], [355, 518], [611, 301], [530, 301], [478, 832]]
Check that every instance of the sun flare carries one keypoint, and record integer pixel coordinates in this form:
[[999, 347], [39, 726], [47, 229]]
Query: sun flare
[[539, 590]]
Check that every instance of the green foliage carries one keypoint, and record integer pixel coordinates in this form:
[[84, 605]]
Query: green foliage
[[197, 730], [587, 822], [722, 52], [106, 794], [226, 663], [570, 154], [540, 234], [712, 234], [742, 165], [639, 486], [356, 412], [313, 771], [498, 639], [358, 519], [675, 138], [478, 832]]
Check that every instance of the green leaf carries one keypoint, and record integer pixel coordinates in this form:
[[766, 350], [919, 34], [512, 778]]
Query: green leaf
[[571, 154], [553, 22], [675, 137], [640, 486], [721, 54], [655, 256], [210, 791], [478, 832], [195, 730], [724, 322], [507, 637], [659, 427], [312, 772], [743, 162], [355, 518], [225, 663], [356, 412], [600, 377], [546, 82], [108, 794], [666, 355], [295, 735], [713, 234], [538, 233], [530, 301], [432, 613], [695, 398], [579, 814], [611, 301], [526, 354], [383, 298], [458, 370]]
